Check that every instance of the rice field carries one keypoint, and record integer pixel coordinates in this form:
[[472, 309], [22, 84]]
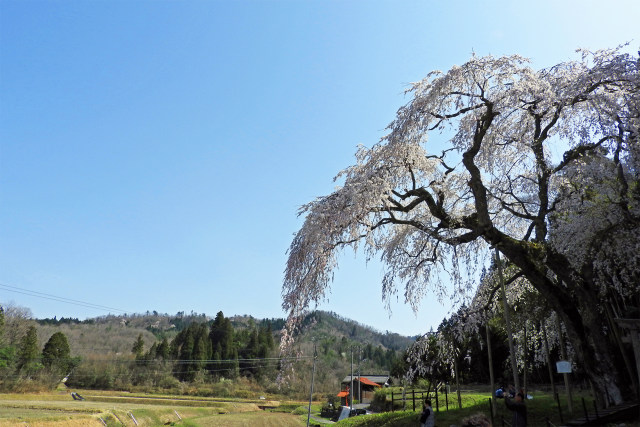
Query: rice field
[[57, 409]]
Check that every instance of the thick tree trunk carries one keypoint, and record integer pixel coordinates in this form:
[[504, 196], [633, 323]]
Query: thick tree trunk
[[593, 351], [594, 354], [578, 308], [590, 307]]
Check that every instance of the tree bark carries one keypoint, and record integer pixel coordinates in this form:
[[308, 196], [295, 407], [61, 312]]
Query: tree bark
[[507, 321], [576, 306]]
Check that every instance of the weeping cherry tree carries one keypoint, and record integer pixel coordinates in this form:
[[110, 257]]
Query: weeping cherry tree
[[512, 150]]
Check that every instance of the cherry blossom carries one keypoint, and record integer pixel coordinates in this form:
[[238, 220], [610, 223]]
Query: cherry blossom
[[542, 165]]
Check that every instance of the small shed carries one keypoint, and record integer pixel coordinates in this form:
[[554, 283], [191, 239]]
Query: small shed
[[364, 387]]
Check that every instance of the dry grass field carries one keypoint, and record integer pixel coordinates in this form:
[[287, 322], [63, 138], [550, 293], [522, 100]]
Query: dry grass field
[[57, 409]]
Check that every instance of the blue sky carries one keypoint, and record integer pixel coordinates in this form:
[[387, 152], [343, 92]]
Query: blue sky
[[154, 154]]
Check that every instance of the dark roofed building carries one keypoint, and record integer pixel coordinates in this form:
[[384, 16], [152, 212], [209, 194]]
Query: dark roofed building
[[365, 384]]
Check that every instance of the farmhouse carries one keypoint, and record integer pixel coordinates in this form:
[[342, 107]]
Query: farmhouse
[[364, 387]]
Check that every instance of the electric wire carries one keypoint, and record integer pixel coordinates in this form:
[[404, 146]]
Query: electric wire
[[207, 366], [59, 299], [188, 361]]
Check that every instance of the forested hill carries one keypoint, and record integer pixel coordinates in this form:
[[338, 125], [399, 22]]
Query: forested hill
[[117, 333], [322, 324], [163, 351]]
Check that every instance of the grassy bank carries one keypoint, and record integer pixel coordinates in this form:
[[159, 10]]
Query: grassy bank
[[542, 408]]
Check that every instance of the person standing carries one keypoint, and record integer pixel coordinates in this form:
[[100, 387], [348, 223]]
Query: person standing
[[427, 419], [519, 409]]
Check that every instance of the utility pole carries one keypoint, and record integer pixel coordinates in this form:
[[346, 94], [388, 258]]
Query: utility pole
[[359, 376], [313, 373], [351, 388], [548, 355], [507, 320], [491, 376], [563, 354]]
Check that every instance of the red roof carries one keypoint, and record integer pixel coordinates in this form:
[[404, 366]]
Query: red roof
[[343, 394], [367, 381]]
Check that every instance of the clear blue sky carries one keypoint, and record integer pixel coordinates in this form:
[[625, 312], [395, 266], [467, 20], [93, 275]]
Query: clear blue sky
[[154, 154]]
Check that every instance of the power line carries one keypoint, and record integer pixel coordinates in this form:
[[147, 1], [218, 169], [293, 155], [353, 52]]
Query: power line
[[265, 360], [58, 298]]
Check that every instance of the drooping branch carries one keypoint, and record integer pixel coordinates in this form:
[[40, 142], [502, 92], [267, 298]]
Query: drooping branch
[[431, 214]]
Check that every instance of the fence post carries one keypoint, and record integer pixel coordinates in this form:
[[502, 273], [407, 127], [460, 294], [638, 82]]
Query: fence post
[[446, 395], [559, 408], [491, 411], [437, 405], [392, 408], [413, 399]]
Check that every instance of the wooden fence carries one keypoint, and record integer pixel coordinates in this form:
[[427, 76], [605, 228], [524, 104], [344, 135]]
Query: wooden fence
[[420, 395]]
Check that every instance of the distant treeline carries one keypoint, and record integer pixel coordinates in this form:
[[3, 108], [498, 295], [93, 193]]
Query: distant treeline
[[65, 321], [177, 322]]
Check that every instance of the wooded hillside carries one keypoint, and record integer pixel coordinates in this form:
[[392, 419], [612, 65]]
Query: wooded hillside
[[160, 351]]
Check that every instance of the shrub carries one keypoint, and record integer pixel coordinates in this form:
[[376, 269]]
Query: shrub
[[379, 402], [300, 410]]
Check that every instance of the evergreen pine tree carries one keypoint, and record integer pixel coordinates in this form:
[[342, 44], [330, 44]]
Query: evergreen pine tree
[[138, 347], [224, 349], [185, 370], [199, 354], [216, 333], [56, 354], [251, 352], [28, 352], [163, 349], [253, 345], [153, 350]]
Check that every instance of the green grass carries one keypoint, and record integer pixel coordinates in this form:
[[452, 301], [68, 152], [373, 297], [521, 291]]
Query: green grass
[[542, 407], [59, 410]]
